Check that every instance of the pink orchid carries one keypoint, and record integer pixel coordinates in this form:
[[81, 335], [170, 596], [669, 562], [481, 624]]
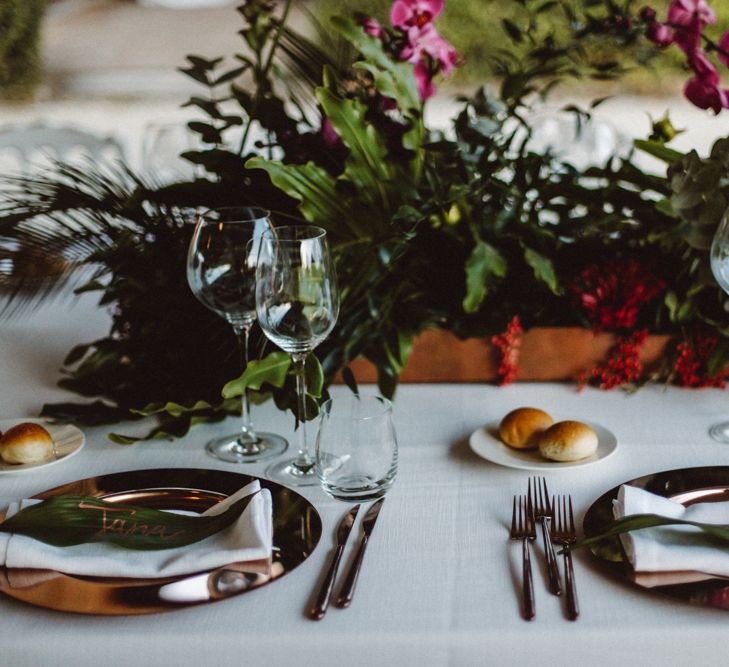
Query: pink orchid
[[705, 95], [424, 80], [373, 27], [704, 68], [407, 13], [685, 12], [723, 54], [329, 134], [660, 34], [428, 41], [688, 38]]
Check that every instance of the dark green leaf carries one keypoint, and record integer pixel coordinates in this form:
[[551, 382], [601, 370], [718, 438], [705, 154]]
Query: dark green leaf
[[484, 264], [512, 30], [543, 269], [68, 520], [640, 521]]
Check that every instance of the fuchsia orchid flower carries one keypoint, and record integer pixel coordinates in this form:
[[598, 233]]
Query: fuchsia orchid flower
[[373, 27], [419, 13], [723, 55], [706, 95], [686, 12], [684, 26]]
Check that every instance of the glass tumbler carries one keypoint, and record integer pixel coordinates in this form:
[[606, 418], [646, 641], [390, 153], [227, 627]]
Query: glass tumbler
[[356, 447]]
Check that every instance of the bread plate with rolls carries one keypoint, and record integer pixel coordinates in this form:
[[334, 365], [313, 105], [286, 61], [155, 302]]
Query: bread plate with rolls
[[27, 444], [531, 439]]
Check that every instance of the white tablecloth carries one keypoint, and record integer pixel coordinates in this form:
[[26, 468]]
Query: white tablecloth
[[440, 581]]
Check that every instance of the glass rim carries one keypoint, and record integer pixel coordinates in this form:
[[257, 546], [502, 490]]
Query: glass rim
[[385, 403], [254, 213], [273, 233]]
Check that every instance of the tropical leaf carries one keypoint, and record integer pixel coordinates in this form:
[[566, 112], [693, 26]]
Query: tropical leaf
[[393, 79], [640, 521], [271, 370], [543, 269], [64, 521], [483, 265]]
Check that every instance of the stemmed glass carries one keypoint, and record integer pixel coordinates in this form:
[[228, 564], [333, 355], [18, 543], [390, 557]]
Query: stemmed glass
[[720, 269], [221, 271], [297, 303]]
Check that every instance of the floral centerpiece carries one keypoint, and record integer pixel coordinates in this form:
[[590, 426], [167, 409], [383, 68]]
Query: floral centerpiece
[[468, 230]]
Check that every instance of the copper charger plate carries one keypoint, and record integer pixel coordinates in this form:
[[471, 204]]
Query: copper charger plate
[[687, 486], [296, 532]]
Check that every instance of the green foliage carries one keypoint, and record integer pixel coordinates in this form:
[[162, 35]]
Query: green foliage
[[20, 58], [459, 231]]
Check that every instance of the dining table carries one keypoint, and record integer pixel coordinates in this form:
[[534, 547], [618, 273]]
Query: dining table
[[440, 583]]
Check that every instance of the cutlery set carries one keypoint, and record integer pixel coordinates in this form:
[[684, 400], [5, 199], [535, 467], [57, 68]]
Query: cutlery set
[[557, 522], [346, 592]]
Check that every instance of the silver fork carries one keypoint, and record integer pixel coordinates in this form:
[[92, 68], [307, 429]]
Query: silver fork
[[522, 528], [543, 514], [564, 533]]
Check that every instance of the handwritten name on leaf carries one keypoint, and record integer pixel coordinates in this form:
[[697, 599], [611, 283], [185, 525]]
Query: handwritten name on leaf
[[68, 520]]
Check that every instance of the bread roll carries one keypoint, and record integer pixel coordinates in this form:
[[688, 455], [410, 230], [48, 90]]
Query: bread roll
[[26, 443], [568, 441], [522, 427]]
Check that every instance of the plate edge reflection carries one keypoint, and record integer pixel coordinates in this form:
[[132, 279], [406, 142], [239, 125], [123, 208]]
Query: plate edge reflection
[[672, 483], [297, 530]]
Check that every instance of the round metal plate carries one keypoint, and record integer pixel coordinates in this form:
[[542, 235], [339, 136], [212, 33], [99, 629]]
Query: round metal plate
[[687, 486], [296, 532]]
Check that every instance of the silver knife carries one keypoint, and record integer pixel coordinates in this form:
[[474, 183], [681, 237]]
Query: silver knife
[[322, 599], [346, 593]]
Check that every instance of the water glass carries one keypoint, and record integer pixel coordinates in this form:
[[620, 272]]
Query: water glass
[[356, 447]]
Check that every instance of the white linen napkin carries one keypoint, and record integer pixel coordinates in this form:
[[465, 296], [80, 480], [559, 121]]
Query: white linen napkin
[[667, 555], [250, 538]]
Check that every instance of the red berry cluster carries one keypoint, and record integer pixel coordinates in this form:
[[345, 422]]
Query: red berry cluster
[[622, 366], [612, 293], [508, 344], [691, 363]]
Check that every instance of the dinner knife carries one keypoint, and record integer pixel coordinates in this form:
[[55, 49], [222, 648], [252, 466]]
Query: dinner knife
[[322, 600], [368, 523]]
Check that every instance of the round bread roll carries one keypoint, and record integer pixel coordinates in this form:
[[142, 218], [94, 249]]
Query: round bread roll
[[522, 427], [26, 443], [568, 441]]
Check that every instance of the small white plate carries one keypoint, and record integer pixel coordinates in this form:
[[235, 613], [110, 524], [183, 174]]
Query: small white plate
[[67, 440], [486, 443]]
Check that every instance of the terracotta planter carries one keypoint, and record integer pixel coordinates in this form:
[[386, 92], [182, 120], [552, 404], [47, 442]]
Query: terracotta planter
[[547, 353]]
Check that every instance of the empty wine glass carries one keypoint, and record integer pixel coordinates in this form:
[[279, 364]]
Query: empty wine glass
[[720, 268], [221, 271], [297, 303]]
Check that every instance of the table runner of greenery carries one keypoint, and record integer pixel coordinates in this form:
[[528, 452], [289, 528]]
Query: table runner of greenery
[[468, 230]]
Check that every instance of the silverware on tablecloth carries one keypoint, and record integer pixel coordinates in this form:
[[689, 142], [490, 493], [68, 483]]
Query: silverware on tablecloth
[[542, 513], [322, 599], [522, 528], [346, 592], [564, 533]]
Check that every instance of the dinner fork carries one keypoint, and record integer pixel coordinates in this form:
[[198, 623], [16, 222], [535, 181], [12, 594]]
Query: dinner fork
[[543, 514], [564, 533], [522, 528]]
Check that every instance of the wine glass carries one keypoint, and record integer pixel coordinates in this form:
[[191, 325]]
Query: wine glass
[[221, 266], [297, 303], [720, 268]]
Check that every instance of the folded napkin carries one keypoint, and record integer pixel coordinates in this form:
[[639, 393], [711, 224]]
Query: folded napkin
[[667, 555], [249, 539]]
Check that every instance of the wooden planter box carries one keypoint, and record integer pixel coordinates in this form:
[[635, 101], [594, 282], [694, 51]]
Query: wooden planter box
[[546, 353]]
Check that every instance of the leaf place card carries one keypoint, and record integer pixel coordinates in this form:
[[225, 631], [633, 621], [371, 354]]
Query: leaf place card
[[69, 520]]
